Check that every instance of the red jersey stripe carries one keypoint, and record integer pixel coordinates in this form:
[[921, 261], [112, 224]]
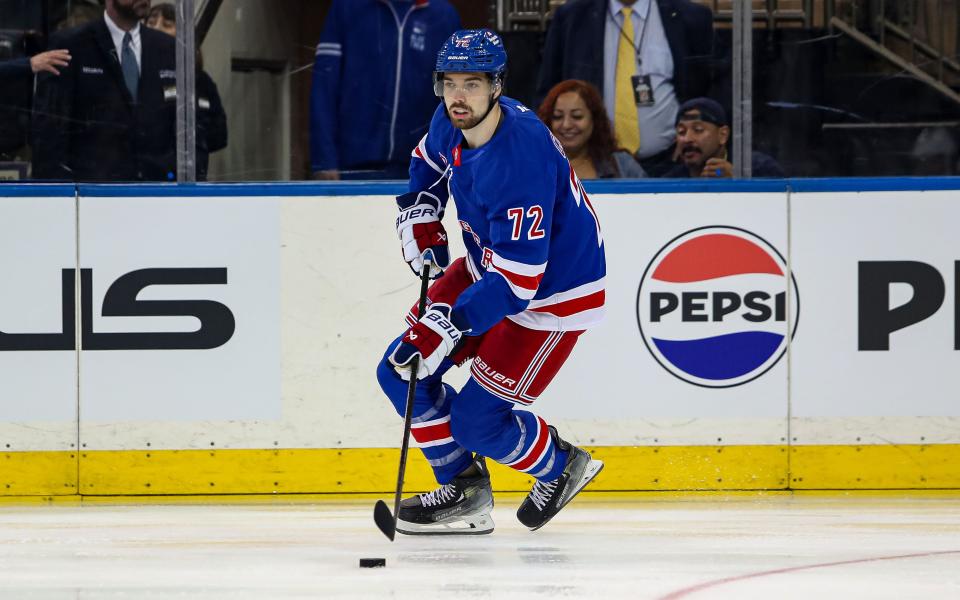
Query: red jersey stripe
[[526, 282], [573, 306]]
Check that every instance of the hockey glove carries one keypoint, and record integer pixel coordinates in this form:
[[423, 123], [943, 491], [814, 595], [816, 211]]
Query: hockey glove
[[434, 337], [419, 229]]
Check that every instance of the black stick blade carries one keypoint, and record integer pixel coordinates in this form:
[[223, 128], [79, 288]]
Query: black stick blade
[[384, 519]]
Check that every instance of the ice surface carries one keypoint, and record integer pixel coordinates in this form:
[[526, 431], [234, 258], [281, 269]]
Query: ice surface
[[652, 546]]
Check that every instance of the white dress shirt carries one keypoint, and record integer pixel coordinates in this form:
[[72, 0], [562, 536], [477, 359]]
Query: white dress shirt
[[657, 122], [117, 34]]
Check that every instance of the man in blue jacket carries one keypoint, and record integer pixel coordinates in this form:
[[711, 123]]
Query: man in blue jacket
[[372, 94], [646, 56], [48, 61]]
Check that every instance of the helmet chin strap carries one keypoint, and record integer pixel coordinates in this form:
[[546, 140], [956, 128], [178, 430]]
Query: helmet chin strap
[[490, 105]]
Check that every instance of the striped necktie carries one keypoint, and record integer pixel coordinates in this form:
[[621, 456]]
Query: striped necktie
[[128, 64], [625, 107]]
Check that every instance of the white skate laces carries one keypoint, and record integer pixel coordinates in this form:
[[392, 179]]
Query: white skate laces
[[541, 492], [440, 495]]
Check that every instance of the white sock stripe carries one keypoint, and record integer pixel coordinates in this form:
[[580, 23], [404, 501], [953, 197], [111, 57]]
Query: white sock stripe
[[546, 450], [447, 458], [546, 469], [533, 444], [429, 423], [437, 407], [523, 435], [430, 444]]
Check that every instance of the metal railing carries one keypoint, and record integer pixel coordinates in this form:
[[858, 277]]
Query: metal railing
[[890, 30], [512, 15], [516, 15], [771, 13]]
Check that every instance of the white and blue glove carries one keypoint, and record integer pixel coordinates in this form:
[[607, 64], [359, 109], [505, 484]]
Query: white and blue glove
[[419, 229]]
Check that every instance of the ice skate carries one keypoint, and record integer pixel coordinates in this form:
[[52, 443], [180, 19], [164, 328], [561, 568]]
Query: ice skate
[[547, 498], [461, 507]]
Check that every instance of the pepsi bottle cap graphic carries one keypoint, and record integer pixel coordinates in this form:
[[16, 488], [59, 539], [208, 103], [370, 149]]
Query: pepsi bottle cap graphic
[[714, 305]]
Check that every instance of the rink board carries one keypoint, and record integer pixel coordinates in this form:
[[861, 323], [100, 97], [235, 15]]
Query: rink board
[[166, 396]]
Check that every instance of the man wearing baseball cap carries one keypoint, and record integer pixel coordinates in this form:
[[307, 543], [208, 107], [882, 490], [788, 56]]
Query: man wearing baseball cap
[[701, 147]]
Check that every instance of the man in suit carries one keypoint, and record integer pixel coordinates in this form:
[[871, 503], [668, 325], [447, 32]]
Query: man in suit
[[111, 115], [211, 117], [647, 56]]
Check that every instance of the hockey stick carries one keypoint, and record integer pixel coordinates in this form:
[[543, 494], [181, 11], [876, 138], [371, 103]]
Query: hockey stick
[[381, 513]]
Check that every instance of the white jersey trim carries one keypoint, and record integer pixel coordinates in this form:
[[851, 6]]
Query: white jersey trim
[[537, 315], [421, 152], [547, 322], [572, 294]]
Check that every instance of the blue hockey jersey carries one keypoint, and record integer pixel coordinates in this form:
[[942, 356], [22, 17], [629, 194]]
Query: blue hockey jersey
[[372, 92], [534, 246]]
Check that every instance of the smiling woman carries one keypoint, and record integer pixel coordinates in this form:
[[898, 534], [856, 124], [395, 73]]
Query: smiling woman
[[575, 114]]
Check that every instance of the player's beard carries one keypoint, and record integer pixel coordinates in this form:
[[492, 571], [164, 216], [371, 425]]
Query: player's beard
[[472, 121]]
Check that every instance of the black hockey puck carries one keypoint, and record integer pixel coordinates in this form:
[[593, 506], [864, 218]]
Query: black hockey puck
[[373, 562]]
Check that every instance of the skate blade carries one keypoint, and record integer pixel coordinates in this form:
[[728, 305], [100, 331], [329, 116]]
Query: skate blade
[[472, 525], [593, 469]]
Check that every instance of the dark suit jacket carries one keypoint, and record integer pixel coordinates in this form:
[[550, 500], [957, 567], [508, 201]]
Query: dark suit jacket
[[14, 68], [86, 126], [211, 122], [574, 46]]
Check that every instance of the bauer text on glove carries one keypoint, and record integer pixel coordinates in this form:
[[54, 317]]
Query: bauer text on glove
[[434, 337], [419, 229]]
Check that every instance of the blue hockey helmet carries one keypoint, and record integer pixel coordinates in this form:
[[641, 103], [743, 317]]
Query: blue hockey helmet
[[471, 51]]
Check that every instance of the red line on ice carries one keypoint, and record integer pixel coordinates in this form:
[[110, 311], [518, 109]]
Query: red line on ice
[[709, 584]]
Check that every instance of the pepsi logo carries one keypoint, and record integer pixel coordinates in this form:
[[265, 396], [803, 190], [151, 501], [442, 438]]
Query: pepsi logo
[[713, 306]]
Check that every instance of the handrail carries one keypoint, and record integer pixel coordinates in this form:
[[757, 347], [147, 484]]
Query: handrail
[[510, 13], [923, 47], [865, 40]]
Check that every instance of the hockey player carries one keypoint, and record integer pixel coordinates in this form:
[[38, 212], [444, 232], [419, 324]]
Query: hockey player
[[531, 283]]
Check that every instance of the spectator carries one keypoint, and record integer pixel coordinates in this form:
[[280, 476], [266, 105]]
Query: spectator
[[163, 17], [111, 114], [574, 112], [78, 12], [45, 61], [211, 117], [372, 97], [645, 64], [16, 91], [702, 135]]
